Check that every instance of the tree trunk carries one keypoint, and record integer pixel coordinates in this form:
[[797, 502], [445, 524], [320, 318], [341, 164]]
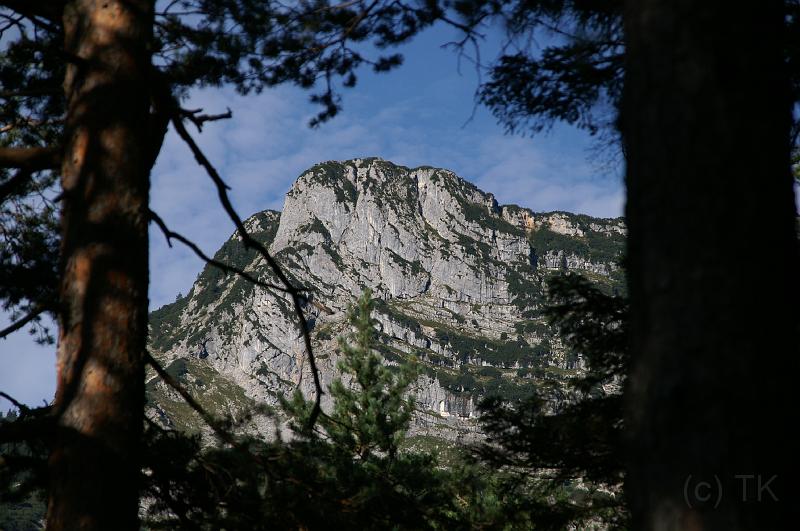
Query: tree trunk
[[104, 266], [713, 265]]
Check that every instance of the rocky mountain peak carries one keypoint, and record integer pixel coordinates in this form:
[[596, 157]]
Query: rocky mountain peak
[[458, 281], [400, 231]]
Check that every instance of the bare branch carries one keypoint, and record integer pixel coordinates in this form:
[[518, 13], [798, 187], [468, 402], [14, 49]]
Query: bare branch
[[164, 101], [158, 124], [170, 234], [31, 423], [250, 243], [198, 119], [30, 158], [207, 417], [47, 9], [22, 322], [44, 13], [23, 409]]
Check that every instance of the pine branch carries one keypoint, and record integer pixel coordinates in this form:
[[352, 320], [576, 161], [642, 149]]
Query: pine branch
[[31, 423], [48, 9], [43, 13], [209, 419], [23, 409], [13, 327], [27, 93], [10, 187], [30, 158]]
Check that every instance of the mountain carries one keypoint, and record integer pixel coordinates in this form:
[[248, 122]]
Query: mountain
[[459, 283]]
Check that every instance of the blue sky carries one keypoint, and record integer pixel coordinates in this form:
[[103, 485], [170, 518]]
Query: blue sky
[[416, 115]]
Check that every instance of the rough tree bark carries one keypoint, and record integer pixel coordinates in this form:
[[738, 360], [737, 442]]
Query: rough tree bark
[[713, 265], [104, 266]]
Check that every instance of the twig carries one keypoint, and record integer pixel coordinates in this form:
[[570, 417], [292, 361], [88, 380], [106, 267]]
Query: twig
[[250, 243], [170, 234], [20, 122], [344, 35], [35, 11], [224, 434], [23, 409], [10, 186], [31, 423], [343, 5], [26, 93], [199, 119], [22, 322]]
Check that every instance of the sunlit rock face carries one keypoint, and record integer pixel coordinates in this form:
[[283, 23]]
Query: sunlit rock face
[[458, 282]]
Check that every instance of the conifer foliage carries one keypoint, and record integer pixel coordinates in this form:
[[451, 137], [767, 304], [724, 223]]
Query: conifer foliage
[[372, 413], [565, 460], [345, 472]]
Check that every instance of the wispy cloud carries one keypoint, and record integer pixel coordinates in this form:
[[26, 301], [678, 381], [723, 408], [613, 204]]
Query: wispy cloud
[[543, 175]]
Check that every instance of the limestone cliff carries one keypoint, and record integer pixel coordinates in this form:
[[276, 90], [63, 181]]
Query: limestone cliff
[[458, 278]]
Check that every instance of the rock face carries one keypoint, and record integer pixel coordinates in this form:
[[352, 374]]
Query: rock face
[[458, 281]]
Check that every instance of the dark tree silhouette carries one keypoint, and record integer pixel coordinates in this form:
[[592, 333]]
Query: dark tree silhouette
[[566, 464], [706, 121], [123, 65]]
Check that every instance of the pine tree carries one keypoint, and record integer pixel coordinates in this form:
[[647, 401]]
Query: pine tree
[[567, 466], [346, 472], [355, 451], [371, 412]]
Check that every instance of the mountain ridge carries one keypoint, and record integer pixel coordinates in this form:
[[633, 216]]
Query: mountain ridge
[[458, 281]]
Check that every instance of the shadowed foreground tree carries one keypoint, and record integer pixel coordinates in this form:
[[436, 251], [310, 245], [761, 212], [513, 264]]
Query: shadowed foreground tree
[[706, 122], [89, 89], [103, 266], [564, 466], [346, 472], [702, 97]]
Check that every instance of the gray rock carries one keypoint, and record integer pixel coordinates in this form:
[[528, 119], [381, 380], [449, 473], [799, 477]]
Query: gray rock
[[457, 278]]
